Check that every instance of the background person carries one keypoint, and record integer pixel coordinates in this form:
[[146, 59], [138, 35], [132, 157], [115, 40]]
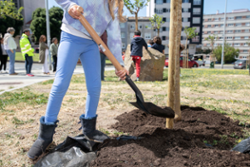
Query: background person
[[104, 38], [157, 45], [76, 42], [3, 57], [42, 54], [10, 47], [53, 50], [150, 43], [27, 51], [136, 46]]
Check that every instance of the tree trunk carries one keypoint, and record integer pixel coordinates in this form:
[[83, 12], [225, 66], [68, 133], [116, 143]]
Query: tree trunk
[[184, 60], [158, 31], [177, 61], [136, 21], [174, 47]]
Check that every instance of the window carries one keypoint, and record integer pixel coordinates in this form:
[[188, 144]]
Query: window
[[236, 44], [147, 35], [247, 24], [230, 44], [221, 19], [123, 45], [208, 44], [123, 34], [122, 25], [216, 25], [209, 19], [222, 25], [131, 35], [208, 26], [196, 20], [238, 24], [230, 25], [185, 1], [185, 10], [245, 44], [220, 32], [168, 1], [209, 32], [167, 19], [237, 31], [216, 19], [184, 19], [246, 37], [196, 39], [247, 30], [229, 38], [237, 37], [197, 29], [245, 51], [248, 17], [158, 11], [140, 26], [230, 18], [238, 17], [159, 1], [196, 11], [229, 31], [197, 2], [132, 26], [220, 38], [148, 26], [215, 32]]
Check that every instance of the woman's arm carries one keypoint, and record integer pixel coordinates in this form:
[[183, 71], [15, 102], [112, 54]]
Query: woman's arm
[[114, 39]]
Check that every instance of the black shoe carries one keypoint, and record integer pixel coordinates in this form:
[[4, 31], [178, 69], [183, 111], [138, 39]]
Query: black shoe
[[44, 139], [89, 130]]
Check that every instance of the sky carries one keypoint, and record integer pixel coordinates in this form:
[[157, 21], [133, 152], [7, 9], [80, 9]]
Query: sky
[[210, 6]]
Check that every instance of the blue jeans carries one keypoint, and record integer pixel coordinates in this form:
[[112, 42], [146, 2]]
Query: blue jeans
[[70, 49], [28, 63], [12, 61], [103, 63]]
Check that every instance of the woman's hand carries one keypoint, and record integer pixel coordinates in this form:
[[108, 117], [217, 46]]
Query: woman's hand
[[75, 11], [121, 73], [11, 51]]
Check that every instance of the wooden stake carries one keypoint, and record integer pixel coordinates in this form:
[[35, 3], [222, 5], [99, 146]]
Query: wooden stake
[[174, 47], [177, 108]]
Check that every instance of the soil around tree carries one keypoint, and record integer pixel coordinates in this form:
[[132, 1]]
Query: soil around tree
[[202, 138]]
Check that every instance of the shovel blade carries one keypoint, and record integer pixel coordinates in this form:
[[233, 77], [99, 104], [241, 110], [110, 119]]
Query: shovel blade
[[155, 110]]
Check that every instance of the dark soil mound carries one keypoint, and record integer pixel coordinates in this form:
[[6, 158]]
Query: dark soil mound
[[202, 138]]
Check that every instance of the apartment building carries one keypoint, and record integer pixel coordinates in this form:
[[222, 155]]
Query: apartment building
[[192, 16], [237, 30], [128, 29], [28, 8]]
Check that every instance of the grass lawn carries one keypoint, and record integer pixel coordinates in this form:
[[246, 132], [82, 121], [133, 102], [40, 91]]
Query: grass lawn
[[226, 91]]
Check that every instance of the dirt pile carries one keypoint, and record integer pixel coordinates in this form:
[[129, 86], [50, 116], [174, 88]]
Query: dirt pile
[[202, 138]]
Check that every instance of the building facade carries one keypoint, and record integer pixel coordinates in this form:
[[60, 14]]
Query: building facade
[[192, 16], [29, 6], [237, 33], [128, 29]]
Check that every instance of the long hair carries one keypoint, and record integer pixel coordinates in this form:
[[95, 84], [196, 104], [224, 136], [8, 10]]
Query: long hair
[[42, 39], [119, 4]]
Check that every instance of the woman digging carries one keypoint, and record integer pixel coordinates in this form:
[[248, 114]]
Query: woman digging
[[76, 43]]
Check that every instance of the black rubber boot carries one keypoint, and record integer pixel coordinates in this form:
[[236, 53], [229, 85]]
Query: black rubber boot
[[44, 139], [89, 130]]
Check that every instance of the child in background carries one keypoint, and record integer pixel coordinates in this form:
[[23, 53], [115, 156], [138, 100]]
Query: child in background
[[136, 51], [150, 43]]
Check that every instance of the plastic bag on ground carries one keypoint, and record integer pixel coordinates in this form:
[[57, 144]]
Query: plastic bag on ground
[[243, 146], [73, 152]]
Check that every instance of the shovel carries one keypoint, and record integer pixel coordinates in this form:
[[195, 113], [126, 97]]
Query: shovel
[[147, 107]]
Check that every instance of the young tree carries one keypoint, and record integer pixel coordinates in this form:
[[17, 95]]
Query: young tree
[[156, 22], [230, 53], [212, 39], [8, 8], [135, 7], [190, 34]]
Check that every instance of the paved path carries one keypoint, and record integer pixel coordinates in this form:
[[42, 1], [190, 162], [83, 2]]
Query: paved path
[[12, 82]]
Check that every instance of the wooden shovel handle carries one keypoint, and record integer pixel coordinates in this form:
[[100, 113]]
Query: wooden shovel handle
[[100, 43]]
